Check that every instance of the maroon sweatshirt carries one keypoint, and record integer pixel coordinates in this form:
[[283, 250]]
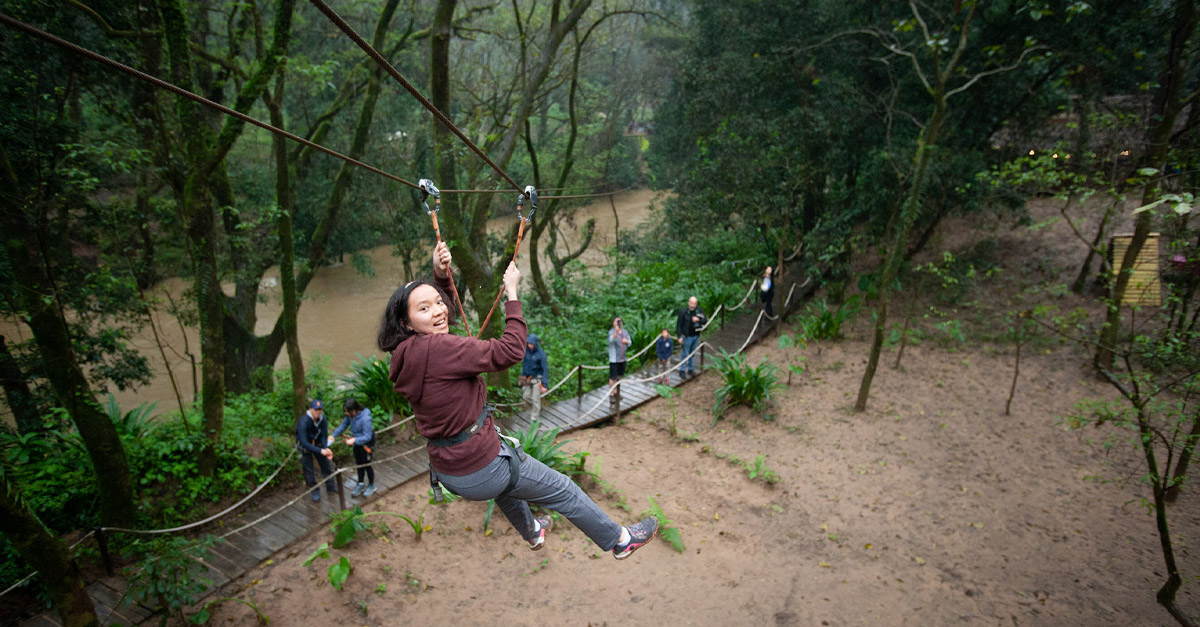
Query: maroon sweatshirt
[[440, 376]]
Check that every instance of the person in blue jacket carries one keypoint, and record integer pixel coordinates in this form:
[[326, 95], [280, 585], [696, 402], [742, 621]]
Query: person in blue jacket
[[362, 438], [664, 346], [311, 430], [535, 375]]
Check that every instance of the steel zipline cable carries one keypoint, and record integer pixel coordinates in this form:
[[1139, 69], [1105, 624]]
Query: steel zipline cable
[[179, 91], [383, 63]]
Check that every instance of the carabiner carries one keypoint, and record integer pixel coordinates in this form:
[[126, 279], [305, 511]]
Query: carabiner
[[531, 193], [427, 188]]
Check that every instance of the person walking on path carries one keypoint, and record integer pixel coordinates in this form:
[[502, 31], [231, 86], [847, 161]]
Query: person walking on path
[[312, 438], [664, 346], [362, 439], [618, 346], [535, 376], [440, 375], [766, 292], [688, 323]]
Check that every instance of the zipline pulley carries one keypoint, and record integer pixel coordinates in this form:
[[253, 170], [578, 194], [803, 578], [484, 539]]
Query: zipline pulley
[[532, 195], [427, 189]]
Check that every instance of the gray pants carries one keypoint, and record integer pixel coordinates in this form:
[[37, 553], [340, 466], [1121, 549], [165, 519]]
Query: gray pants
[[532, 393], [540, 485]]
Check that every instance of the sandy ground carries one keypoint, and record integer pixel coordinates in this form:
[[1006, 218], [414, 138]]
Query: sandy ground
[[931, 508]]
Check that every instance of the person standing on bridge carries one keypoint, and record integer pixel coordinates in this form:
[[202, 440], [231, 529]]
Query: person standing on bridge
[[440, 375], [311, 430], [766, 292], [618, 346], [362, 439], [535, 376], [688, 323]]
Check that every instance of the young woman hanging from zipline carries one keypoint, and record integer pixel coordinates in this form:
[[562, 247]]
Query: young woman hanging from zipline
[[440, 375]]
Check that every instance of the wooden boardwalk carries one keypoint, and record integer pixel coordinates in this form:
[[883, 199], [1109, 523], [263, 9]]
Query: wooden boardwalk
[[247, 548]]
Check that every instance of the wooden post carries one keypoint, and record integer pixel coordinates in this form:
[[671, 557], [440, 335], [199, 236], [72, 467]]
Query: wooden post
[[702, 358], [579, 387], [722, 317], [103, 543], [341, 491]]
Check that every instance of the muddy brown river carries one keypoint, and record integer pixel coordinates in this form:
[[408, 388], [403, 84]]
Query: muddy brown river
[[340, 312]]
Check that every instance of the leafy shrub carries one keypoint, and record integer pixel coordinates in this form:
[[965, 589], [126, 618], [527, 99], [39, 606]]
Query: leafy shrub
[[372, 387], [743, 384], [541, 446], [168, 577], [824, 322]]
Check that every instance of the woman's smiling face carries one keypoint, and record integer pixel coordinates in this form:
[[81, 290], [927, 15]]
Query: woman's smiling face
[[427, 314]]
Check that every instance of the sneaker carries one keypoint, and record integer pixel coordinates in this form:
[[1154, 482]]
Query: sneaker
[[370, 490], [545, 523], [358, 490], [316, 496], [639, 535]]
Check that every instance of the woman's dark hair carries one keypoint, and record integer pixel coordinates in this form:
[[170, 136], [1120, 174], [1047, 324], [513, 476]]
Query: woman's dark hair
[[352, 405], [393, 327]]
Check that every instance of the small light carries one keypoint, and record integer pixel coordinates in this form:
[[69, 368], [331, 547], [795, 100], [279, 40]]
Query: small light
[[1054, 156], [1030, 153], [1068, 156], [1124, 153]]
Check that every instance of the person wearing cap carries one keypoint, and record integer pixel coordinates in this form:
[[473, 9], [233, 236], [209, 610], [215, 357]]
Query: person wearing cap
[[312, 435], [440, 374]]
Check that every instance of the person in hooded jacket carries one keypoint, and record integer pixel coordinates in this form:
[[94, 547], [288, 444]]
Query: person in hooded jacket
[[535, 376], [362, 440], [440, 375]]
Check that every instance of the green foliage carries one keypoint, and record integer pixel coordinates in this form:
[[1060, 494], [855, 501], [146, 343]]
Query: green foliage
[[758, 470], [168, 572], [666, 527], [205, 614], [671, 394], [322, 553], [541, 446], [824, 322], [134, 424], [338, 572], [372, 387], [743, 384], [346, 525], [795, 362]]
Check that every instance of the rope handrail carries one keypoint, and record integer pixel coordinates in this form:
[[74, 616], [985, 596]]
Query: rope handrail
[[214, 516], [744, 298], [34, 573], [308, 489]]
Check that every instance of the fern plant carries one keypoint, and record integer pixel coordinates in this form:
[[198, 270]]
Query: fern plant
[[666, 529], [372, 386], [541, 446], [824, 322], [744, 384]]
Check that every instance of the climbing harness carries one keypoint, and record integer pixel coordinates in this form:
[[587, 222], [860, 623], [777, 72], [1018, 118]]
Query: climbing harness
[[514, 461]]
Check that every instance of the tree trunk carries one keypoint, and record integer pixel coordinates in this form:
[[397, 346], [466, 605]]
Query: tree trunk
[[287, 254], [1185, 459], [42, 551], [1168, 104], [205, 156], [903, 223], [1166, 594], [16, 392], [36, 294], [1086, 268]]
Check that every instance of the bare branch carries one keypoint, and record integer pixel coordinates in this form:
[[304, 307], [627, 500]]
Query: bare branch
[[1007, 68]]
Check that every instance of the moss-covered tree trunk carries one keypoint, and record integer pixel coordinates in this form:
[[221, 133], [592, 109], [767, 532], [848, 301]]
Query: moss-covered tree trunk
[[902, 223], [38, 298], [204, 156], [45, 553]]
